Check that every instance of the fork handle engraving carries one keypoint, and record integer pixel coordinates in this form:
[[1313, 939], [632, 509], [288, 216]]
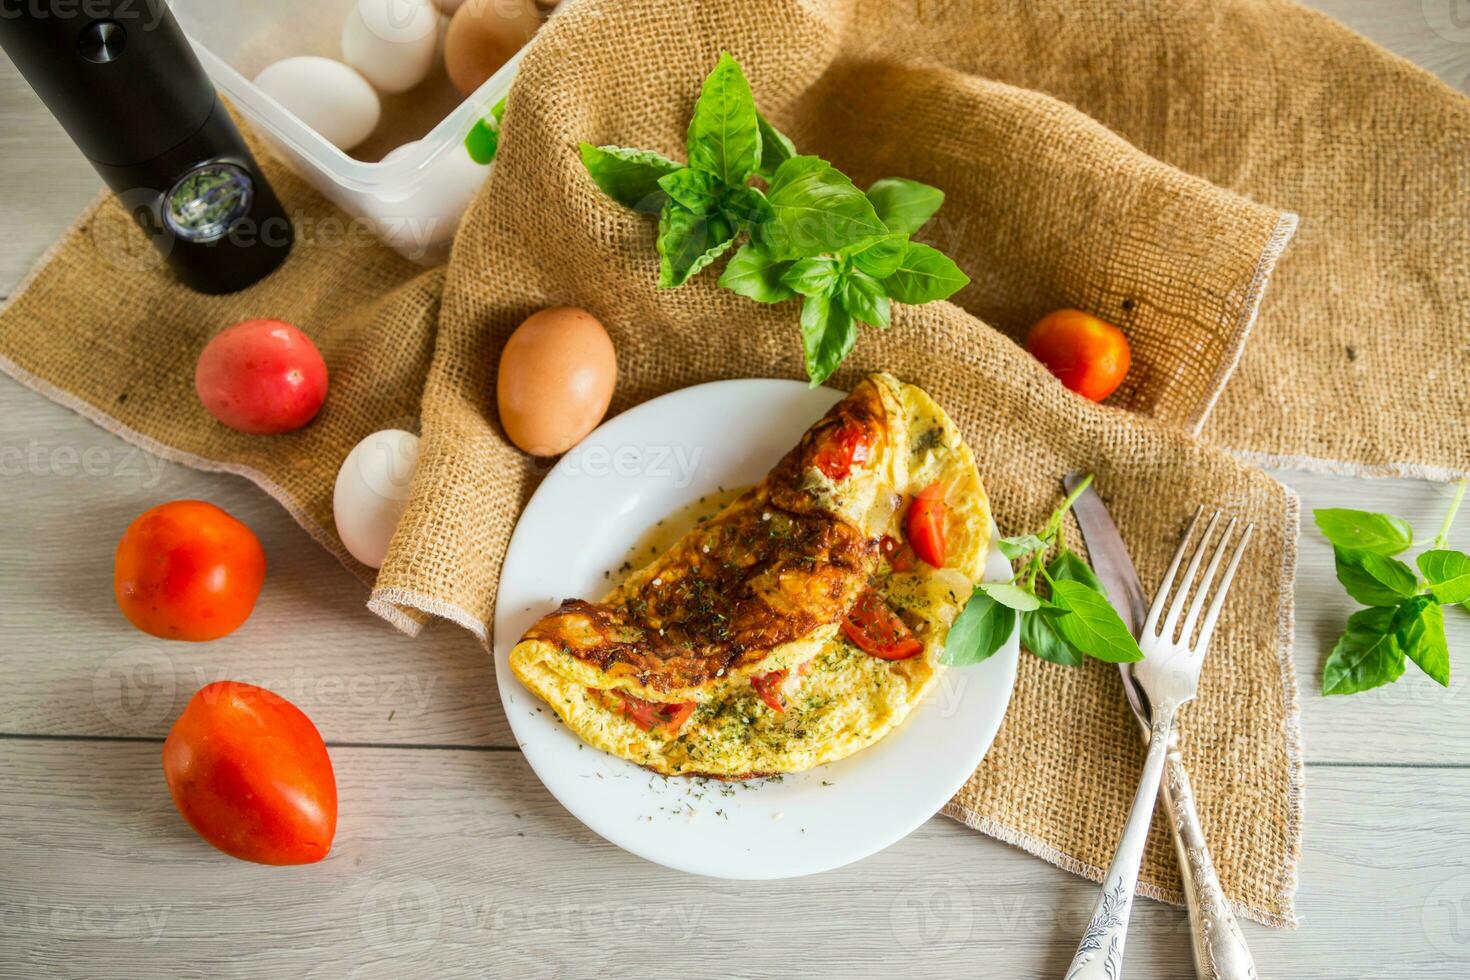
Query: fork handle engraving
[[1099, 955], [1220, 952]]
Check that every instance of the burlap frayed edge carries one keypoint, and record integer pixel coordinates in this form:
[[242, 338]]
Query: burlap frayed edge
[[1250, 311], [1332, 467], [1071, 865], [1291, 722], [389, 602]]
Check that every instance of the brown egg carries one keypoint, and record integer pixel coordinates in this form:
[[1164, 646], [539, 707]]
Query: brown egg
[[556, 379], [483, 35]]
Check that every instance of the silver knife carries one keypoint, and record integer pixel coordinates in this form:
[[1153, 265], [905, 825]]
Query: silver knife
[[1220, 952]]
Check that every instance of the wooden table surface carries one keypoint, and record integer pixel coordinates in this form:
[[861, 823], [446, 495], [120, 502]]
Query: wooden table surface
[[451, 857]]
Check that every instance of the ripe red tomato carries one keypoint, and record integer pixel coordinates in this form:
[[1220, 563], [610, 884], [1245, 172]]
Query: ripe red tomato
[[667, 716], [877, 630], [187, 570], [925, 524], [768, 686], [900, 556], [1088, 355], [251, 775], [847, 446], [261, 376]]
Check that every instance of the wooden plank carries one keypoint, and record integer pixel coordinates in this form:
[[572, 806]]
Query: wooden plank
[[458, 862], [45, 180]]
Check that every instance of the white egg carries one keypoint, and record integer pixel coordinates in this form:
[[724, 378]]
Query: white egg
[[392, 42], [327, 95], [372, 492]]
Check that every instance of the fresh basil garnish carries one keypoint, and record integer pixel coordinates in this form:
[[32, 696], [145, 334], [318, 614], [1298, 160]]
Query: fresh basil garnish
[[1405, 620], [809, 210]]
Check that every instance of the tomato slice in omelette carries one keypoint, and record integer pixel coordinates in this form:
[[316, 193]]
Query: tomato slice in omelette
[[708, 638]]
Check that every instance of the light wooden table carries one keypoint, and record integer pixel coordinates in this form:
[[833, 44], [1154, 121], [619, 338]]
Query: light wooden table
[[452, 857]]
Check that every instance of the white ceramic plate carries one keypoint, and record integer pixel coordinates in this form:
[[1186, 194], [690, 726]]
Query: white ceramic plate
[[598, 503]]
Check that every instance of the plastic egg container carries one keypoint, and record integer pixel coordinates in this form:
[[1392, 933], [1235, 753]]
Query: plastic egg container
[[413, 197]]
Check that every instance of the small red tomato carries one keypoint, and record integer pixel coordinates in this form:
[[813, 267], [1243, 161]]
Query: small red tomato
[[900, 556], [768, 686], [251, 775], [849, 445], [187, 570], [925, 524], [261, 376], [877, 630], [666, 716], [1088, 355]]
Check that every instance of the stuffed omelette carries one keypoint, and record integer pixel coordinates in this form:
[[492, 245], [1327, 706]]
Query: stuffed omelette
[[798, 625]]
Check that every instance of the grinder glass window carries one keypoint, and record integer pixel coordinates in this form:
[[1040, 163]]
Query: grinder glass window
[[207, 201]]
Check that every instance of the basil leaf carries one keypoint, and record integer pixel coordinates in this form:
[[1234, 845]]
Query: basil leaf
[[1019, 546], [1418, 627], [813, 277], [697, 190], [1361, 530], [827, 336], [1010, 594], [981, 628], [865, 299], [1448, 573], [724, 136], [923, 275], [776, 149], [878, 257], [746, 207], [1069, 566], [629, 177], [1375, 580], [816, 210], [687, 242], [905, 206], [1040, 637], [1092, 626], [497, 111], [1367, 655], [482, 142], [752, 273]]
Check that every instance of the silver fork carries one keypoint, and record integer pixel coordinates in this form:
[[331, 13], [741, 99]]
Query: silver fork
[[1169, 674]]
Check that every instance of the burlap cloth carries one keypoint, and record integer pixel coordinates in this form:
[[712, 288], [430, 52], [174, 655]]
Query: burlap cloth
[[1140, 160]]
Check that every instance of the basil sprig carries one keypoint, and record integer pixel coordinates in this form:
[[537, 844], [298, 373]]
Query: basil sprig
[[809, 234], [1404, 620], [1064, 611]]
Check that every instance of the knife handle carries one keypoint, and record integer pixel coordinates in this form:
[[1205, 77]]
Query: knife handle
[[1220, 952]]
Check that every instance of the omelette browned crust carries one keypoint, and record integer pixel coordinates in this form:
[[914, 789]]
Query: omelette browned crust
[[768, 570]]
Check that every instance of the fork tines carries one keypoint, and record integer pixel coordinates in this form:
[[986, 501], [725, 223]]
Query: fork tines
[[1201, 590]]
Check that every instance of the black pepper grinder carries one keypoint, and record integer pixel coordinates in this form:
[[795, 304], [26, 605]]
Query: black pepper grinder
[[123, 81]]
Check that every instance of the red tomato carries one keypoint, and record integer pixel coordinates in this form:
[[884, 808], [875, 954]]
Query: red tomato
[[250, 774], [666, 716], [849, 445], [900, 556], [925, 524], [261, 376], [878, 631], [187, 570], [1088, 355], [768, 686]]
